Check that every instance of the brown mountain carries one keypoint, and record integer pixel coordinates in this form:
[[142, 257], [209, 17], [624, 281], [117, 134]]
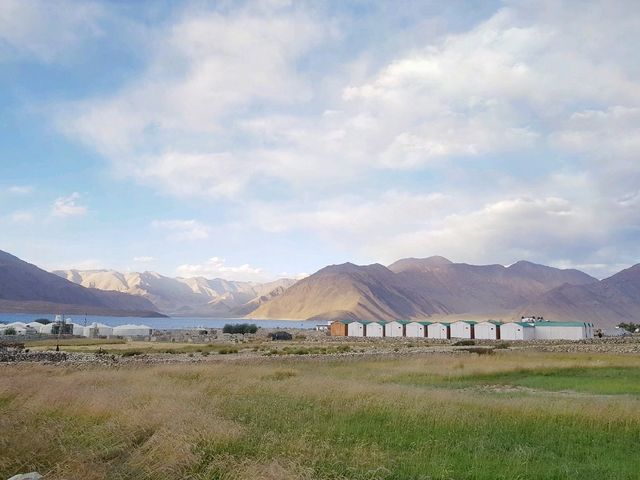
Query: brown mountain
[[608, 302], [350, 291], [27, 288], [416, 288], [467, 288]]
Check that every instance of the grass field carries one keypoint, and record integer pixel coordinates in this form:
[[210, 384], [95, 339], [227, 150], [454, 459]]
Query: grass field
[[504, 416]]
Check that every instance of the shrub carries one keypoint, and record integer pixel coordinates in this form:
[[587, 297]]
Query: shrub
[[131, 353], [10, 331], [240, 328], [464, 343]]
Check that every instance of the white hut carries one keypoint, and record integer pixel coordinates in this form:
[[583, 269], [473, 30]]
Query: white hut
[[489, 330], [395, 328], [356, 329], [132, 331], [375, 329], [416, 329], [462, 329], [517, 331], [562, 330], [97, 330], [438, 330]]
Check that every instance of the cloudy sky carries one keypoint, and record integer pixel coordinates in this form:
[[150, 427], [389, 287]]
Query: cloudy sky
[[250, 140]]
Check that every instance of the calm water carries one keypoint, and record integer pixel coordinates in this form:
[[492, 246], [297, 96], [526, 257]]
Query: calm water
[[160, 323]]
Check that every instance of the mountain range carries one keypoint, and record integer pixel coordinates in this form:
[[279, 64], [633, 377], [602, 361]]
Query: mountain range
[[418, 288], [197, 296], [411, 288], [27, 288]]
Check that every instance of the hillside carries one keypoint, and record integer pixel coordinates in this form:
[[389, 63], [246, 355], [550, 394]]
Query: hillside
[[608, 302], [182, 296], [416, 288], [350, 291], [25, 287]]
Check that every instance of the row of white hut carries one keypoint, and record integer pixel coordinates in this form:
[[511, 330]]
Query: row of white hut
[[92, 330], [465, 329]]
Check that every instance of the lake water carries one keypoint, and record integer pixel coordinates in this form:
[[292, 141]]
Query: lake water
[[160, 323]]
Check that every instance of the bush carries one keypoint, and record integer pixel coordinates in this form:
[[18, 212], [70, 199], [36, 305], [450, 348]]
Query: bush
[[224, 351], [131, 353], [464, 343], [10, 331], [240, 328]]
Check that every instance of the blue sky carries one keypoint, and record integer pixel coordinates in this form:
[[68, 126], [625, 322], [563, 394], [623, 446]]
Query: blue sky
[[250, 140]]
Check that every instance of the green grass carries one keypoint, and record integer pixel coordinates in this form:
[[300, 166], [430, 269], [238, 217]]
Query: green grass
[[315, 418], [598, 380]]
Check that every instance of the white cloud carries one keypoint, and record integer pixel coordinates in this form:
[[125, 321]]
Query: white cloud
[[68, 206], [20, 189], [216, 268], [172, 127], [21, 217], [183, 230], [143, 259], [46, 29]]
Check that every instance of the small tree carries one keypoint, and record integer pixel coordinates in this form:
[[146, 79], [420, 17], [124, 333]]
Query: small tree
[[10, 331]]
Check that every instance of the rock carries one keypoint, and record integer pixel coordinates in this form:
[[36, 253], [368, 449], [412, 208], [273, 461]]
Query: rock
[[27, 476]]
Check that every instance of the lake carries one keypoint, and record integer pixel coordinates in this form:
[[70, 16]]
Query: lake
[[160, 323]]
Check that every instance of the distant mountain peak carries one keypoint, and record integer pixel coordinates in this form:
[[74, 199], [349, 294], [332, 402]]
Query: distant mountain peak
[[419, 264]]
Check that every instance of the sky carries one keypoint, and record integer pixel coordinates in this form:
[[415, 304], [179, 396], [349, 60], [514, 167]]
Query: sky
[[250, 140]]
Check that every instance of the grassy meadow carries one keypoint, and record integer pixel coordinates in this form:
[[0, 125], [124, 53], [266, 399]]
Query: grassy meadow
[[511, 415]]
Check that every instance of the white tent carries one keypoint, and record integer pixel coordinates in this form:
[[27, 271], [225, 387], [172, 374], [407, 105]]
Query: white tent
[[375, 329], [417, 329], [97, 330], [517, 331], [438, 330], [487, 330], [132, 330], [36, 326], [20, 328]]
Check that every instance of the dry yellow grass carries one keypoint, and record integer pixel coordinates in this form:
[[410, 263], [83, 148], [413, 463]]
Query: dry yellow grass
[[277, 419]]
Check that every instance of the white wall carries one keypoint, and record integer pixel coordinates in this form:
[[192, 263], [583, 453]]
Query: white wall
[[437, 330], [355, 329], [486, 331], [560, 333], [461, 330], [393, 329], [416, 330], [375, 330], [515, 331]]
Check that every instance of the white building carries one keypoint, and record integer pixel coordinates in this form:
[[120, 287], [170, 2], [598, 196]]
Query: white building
[[517, 331], [462, 329], [355, 329], [489, 330], [438, 330], [416, 329], [97, 330], [395, 328], [563, 330], [132, 331], [375, 329]]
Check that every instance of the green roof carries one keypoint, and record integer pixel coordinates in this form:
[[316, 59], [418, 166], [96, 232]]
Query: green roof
[[522, 324], [495, 322], [559, 324], [403, 322], [470, 322]]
